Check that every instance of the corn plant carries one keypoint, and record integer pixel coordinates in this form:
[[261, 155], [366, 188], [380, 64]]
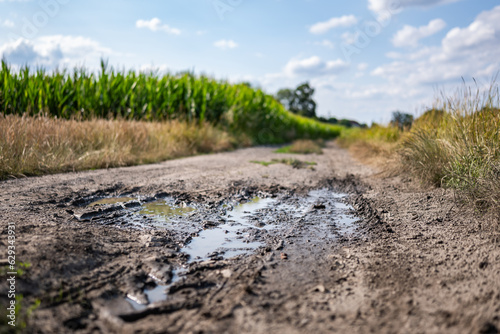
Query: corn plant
[[81, 94]]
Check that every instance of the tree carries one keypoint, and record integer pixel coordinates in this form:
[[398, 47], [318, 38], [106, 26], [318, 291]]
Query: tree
[[402, 120], [285, 97], [298, 101]]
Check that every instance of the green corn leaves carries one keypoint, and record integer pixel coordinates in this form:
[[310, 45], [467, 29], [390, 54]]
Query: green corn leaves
[[149, 96]]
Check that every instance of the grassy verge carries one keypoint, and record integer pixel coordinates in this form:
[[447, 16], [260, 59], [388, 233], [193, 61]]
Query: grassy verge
[[40, 145], [303, 146], [456, 145]]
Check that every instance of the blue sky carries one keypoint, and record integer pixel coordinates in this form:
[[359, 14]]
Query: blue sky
[[366, 58]]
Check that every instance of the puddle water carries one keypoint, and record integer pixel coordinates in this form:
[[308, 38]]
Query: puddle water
[[158, 293], [227, 240], [164, 210], [113, 200], [242, 228], [230, 238]]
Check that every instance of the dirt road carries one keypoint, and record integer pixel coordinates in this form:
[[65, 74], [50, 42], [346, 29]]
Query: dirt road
[[412, 262]]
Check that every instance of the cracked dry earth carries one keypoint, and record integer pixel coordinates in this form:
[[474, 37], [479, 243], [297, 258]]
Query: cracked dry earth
[[334, 249]]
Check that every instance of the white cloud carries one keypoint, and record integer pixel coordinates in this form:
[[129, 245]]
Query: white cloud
[[314, 66], [148, 68], [54, 51], [410, 36], [155, 24], [396, 5], [326, 43], [362, 66], [7, 23], [224, 44], [334, 22], [350, 37], [471, 51]]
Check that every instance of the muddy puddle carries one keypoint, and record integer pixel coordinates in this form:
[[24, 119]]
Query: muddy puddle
[[229, 230]]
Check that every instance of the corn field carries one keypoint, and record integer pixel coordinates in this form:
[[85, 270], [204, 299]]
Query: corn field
[[81, 94]]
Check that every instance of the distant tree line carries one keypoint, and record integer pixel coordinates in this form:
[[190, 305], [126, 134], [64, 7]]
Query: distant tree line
[[300, 101]]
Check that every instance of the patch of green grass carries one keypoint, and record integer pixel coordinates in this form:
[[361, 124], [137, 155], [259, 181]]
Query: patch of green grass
[[295, 163], [22, 314], [23, 310], [20, 271], [264, 163], [302, 146]]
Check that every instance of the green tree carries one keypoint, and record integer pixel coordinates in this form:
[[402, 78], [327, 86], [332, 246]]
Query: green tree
[[285, 97], [299, 101], [402, 120]]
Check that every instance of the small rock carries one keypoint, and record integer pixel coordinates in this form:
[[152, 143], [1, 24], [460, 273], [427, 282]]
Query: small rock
[[260, 224], [284, 256], [209, 224], [320, 288], [226, 273], [280, 245], [483, 264]]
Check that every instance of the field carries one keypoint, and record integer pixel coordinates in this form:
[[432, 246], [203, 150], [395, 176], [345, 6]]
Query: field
[[54, 122]]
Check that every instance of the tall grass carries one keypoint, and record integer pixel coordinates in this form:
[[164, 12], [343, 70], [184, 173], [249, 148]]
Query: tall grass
[[457, 145], [454, 145], [129, 95], [39, 145]]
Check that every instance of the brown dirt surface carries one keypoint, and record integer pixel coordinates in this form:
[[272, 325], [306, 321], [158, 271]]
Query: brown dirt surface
[[414, 262]]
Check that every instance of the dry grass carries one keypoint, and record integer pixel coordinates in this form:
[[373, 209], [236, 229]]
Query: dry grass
[[454, 145], [303, 146], [457, 145], [376, 146], [381, 155], [40, 145]]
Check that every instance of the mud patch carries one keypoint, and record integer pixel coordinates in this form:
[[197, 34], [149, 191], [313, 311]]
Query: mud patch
[[111, 200], [234, 229]]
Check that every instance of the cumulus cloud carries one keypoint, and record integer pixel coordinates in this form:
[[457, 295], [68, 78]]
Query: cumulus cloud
[[326, 43], [314, 66], [155, 24], [410, 36], [471, 51], [362, 66], [334, 22], [350, 37], [53, 51], [395, 5], [7, 23], [152, 68], [225, 44]]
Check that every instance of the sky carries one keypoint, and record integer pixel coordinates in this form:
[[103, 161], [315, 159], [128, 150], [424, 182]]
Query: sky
[[365, 58]]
